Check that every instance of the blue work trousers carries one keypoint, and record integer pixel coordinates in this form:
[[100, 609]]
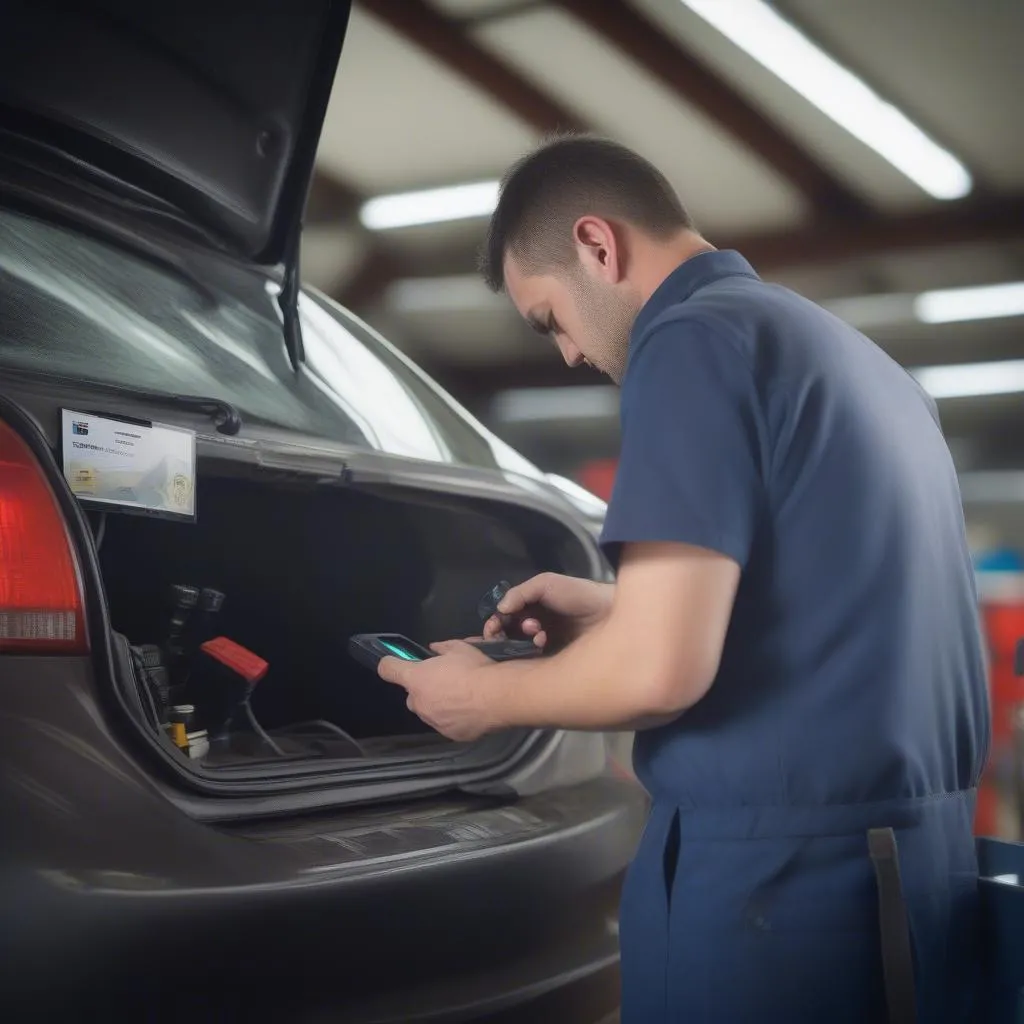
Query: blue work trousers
[[755, 915]]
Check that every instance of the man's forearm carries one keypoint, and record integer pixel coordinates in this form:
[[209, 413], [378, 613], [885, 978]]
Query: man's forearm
[[599, 682]]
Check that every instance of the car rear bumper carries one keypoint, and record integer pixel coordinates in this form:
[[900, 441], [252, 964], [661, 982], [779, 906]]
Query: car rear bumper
[[115, 901], [457, 932]]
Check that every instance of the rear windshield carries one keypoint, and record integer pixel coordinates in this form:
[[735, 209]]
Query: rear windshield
[[77, 307]]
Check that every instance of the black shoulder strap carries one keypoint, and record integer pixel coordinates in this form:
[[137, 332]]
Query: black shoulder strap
[[897, 957]]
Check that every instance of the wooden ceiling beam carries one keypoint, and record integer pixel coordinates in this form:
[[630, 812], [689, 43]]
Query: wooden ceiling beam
[[380, 267], [977, 221], [446, 40], [639, 38], [982, 221], [331, 200]]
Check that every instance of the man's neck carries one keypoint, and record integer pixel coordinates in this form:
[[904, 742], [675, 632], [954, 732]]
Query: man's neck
[[660, 259]]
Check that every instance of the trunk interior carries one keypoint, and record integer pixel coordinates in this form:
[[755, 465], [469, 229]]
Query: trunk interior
[[302, 566]]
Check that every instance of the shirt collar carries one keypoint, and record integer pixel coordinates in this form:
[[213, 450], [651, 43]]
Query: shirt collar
[[690, 276]]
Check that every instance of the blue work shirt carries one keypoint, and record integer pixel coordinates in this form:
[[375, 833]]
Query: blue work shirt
[[851, 692]]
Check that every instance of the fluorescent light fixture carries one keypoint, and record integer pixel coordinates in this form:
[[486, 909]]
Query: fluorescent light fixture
[[531, 405], [772, 41], [946, 306], [993, 486], [431, 206], [460, 292], [969, 380], [954, 305], [867, 311]]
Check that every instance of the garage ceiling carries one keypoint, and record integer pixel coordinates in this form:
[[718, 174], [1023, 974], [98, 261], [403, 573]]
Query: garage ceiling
[[446, 92]]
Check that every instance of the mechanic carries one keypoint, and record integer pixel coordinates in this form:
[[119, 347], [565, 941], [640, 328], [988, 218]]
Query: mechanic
[[792, 633]]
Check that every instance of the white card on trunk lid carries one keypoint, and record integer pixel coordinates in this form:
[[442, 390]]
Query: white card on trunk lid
[[136, 466]]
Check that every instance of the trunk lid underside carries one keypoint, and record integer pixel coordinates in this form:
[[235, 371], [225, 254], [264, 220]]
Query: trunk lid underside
[[207, 107]]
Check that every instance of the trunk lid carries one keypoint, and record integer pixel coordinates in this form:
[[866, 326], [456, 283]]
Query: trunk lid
[[208, 108]]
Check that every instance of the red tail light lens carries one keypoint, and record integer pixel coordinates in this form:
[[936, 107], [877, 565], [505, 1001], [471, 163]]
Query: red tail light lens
[[41, 606]]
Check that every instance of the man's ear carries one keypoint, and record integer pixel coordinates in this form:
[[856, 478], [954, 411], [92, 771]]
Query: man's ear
[[599, 248]]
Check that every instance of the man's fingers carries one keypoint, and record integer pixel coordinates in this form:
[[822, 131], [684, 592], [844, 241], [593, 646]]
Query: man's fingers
[[530, 628], [447, 646], [494, 629], [519, 597], [516, 599], [530, 592], [412, 703], [393, 670]]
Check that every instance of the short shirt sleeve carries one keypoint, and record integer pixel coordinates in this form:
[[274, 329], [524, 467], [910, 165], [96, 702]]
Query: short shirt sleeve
[[690, 468]]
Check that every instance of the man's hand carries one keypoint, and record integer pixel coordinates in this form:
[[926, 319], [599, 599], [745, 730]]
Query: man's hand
[[648, 659], [448, 692], [639, 661], [552, 610]]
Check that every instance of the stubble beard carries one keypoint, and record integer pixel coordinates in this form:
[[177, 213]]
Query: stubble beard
[[608, 319]]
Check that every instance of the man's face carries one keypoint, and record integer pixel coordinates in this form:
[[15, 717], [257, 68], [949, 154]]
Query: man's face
[[588, 319]]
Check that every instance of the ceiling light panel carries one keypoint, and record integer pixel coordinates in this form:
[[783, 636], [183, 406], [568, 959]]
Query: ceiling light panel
[[954, 305], [972, 380], [430, 206], [777, 45]]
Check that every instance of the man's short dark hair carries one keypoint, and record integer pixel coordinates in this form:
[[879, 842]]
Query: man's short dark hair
[[544, 194]]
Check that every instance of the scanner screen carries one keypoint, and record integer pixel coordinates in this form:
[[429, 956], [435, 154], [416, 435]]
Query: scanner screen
[[400, 652]]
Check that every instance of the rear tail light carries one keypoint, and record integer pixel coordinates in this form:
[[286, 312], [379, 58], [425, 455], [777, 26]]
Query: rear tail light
[[41, 606]]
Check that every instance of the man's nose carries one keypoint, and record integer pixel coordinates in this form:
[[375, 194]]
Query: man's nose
[[571, 354]]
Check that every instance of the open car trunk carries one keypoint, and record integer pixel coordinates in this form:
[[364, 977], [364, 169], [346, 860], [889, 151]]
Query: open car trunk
[[302, 566]]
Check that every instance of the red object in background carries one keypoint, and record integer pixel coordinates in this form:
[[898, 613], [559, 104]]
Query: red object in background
[[986, 812], [1004, 626], [598, 477], [1003, 622]]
